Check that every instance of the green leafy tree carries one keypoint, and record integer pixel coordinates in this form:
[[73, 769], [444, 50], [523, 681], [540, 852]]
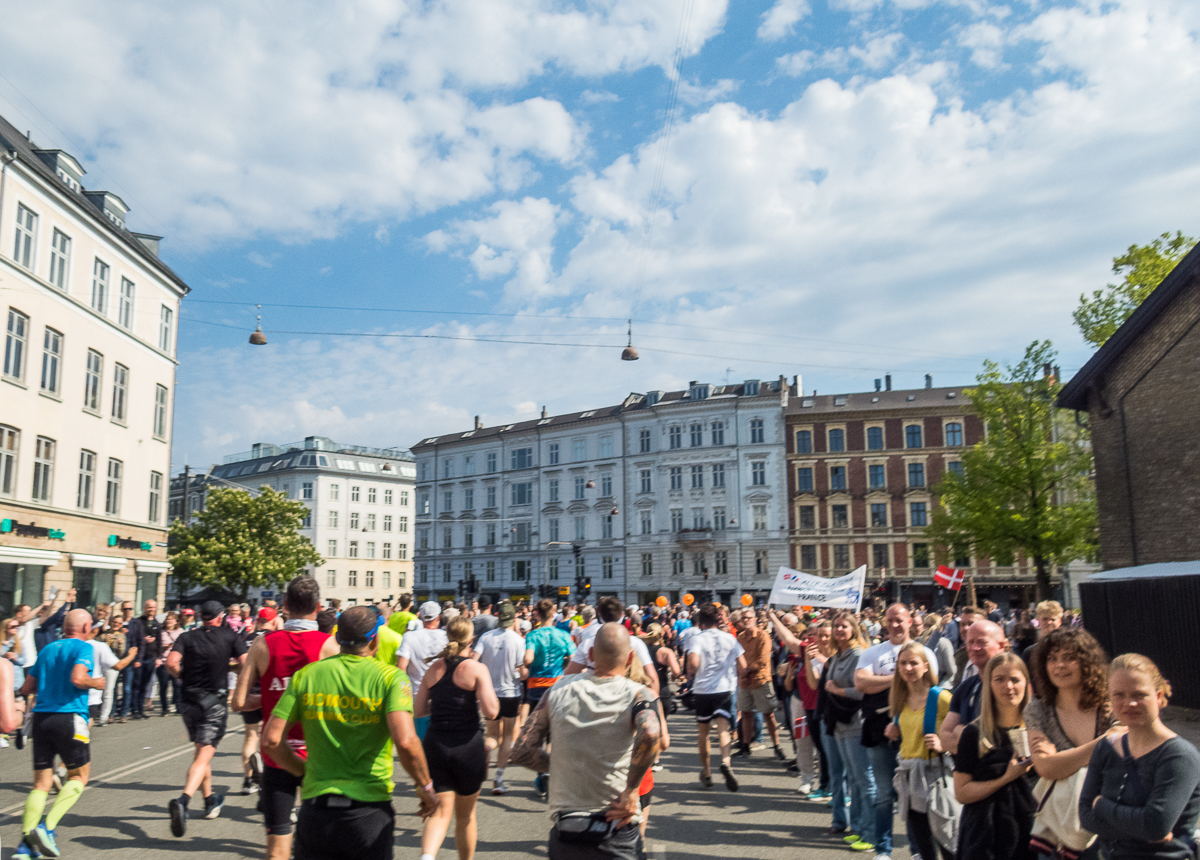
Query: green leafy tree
[[1026, 487], [241, 541], [1144, 267]]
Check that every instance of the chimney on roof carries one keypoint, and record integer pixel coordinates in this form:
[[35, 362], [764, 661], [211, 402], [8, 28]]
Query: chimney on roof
[[928, 380], [878, 384], [887, 382], [478, 423], [545, 414]]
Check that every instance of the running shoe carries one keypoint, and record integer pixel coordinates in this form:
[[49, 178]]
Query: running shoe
[[498, 787], [758, 745], [805, 790], [779, 753], [889, 857], [43, 839], [706, 780], [248, 786], [179, 817], [851, 838], [862, 846], [820, 794], [256, 768], [213, 804], [541, 784], [793, 768], [730, 782], [27, 850]]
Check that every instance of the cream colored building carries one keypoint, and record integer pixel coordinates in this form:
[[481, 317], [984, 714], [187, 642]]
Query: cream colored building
[[86, 388]]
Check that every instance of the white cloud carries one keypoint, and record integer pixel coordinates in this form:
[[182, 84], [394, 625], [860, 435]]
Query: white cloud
[[781, 19], [263, 261], [693, 94], [876, 53], [592, 97], [986, 42]]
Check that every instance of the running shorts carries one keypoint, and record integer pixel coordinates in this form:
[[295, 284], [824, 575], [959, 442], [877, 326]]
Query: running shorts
[[709, 705], [65, 735], [252, 718], [204, 715], [455, 765], [533, 696], [510, 707], [356, 829], [277, 799], [760, 699]]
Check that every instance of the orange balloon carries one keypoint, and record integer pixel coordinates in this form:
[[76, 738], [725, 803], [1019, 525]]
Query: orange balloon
[[688, 600], [747, 600], [660, 601]]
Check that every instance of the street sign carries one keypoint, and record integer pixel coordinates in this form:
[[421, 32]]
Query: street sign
[[564, 591]]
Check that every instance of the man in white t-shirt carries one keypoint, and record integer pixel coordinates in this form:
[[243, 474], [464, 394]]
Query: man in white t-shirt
[[588, 614], [502, 650], [714, 662], [873, 678], [418, 649], [610, 610], [103, 659]]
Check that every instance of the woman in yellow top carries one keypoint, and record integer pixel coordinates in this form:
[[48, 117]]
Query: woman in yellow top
[[919, 744]]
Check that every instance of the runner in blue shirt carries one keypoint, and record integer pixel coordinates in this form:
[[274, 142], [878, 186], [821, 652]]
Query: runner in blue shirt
[[61, 678], [547, 650]]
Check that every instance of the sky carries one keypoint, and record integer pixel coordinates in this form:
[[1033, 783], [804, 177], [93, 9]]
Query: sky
[[450, 209]]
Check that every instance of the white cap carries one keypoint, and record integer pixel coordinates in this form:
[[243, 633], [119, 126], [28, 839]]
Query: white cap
[[429, 610], [683, 616]]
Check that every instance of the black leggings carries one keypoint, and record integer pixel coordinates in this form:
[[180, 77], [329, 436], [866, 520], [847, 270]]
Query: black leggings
[[165, 681], [814, 729], [920, 833]]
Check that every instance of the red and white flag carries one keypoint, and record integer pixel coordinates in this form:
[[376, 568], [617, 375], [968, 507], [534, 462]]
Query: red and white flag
[[949, 577]]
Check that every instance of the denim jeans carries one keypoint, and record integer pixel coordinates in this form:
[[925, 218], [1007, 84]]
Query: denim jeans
[[882, 762], [123, 692], [862, 790], [837, 778], [167, 683], [143, 677]]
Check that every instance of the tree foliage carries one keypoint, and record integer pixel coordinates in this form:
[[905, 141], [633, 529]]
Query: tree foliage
[[1025, 488], [1144, 267], [240, 541]]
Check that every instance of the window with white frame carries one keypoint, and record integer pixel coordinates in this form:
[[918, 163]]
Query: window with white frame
[[522, 493], [552, 569], [721, 562], [761, 565], [91, 381], [52, 345], [402, 525], [354, 520], [696, 435], [552, 453], [43, 469], [468, 469], [370, 522], [447, 468], [676, 519], [489, 571], [580, 485], [490, 534], [125, 304], [718, 521], [387, 578], [23, 250], [606, 527], [676, 477], [759, 516], [580, 528], [370, 549], [387, 522], [718, 475], [16, 344], [552, 490], [578, 450], [166, 329], [353, 549], [606, 567], [331, 578], [552, 530], [646, 520], [355, 493], [491, 461], [334, 491], [606, 446], [333, 519], [120, 394], [606, 489], [758, 474], [468, 499], [402, 551], [87, 478], [697, 518], [112, 493], [647, 564], [100, 273], [756, 430], [677, 564], [491, 496], [646, 485], [60, 259], [10, 439], [371, 495], [469, 535], [388, 497], [160, 412], [306, 490], [697, 477], [718, 432], [674, 437], [422, 538], [352, 578], [447, 501], [156, 485], [369, 579], [644, 441]]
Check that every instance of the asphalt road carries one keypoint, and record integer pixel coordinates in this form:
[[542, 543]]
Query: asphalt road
[[137, 767]]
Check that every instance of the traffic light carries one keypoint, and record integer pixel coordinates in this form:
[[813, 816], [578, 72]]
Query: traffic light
[[576, 550], [587, 583]]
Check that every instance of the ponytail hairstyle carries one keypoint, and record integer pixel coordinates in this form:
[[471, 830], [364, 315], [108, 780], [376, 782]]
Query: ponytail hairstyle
[[459, 632]]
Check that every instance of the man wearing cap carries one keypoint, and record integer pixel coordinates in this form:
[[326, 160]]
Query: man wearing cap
[[200, 660], [402, 618], [352, 709], [502, 650], [419, 648]]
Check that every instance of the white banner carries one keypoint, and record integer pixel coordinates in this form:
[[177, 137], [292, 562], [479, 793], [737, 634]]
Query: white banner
[[793, 588]]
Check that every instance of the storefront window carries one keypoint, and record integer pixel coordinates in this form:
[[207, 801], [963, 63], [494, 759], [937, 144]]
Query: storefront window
[[147, 588], [93, 585], [21, 583]]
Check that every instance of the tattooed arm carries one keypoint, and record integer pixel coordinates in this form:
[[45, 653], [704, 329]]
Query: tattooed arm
[[529, 750], [647, 733]]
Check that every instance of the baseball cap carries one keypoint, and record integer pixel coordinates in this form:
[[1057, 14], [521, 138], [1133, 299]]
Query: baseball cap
[[266, 614], [189, 612], [506, 613], [210, 609], [429, 610]]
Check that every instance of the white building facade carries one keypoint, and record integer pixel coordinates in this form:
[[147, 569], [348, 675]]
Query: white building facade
[[665, 494], [86, 389], [360, 504]]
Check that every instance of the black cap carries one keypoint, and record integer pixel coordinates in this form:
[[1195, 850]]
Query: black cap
[[210, 609]]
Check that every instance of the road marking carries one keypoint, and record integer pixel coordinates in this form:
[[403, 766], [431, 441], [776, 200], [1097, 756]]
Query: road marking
[[120, 773]]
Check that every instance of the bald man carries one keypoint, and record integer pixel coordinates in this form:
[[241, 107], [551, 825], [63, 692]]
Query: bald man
[[985, 639], [61, 678]]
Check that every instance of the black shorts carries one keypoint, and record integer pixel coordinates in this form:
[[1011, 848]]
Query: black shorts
[[625, 843], [454, 764], [252, 718], [709, 705], [509, 707], [646, 799], [205, 722], [360, 830], [533, 695], [277, 799], [67, 736]]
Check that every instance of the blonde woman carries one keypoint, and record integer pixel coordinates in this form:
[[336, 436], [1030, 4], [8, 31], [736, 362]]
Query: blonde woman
[[914, 690], [991, 769], [1142, 791], [453, 692]]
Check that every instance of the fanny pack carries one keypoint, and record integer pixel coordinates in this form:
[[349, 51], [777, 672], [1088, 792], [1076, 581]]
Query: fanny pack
[[583, 828], [204, 699]]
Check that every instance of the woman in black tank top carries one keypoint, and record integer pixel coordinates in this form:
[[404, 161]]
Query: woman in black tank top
[[453, 692]]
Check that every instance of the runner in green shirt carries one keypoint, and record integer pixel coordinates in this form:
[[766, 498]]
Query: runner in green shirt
[[352, 708], [400, 619]]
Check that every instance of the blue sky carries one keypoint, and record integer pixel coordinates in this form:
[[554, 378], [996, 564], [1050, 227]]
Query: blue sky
[[848, 188]]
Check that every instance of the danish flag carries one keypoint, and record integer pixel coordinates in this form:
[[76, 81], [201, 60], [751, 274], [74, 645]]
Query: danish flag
[[949, 577]]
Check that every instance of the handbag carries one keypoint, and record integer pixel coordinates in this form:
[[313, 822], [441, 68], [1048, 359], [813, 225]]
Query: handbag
[[942, 807], [583, 828], [1056, 827]]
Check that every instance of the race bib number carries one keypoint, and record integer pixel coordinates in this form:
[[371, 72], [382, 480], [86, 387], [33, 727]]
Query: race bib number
[[83, 731]]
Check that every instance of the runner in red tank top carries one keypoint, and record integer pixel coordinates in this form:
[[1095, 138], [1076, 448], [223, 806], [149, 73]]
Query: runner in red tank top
[[271, 663]]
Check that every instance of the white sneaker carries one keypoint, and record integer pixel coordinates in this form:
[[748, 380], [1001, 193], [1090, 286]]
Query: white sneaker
[[500, 788], [883, 857], [805, 789]]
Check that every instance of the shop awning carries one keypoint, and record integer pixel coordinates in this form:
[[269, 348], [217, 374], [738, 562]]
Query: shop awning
[[28, 555], [103, 562], [148, 565]]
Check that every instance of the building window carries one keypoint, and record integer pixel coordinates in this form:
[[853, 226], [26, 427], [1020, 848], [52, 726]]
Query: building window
[[387, 522], [606, 567], [370, 522], [522, 493], [91, 381], [60, 258], [354, 520], [758, 474], [808, 517], [676, 519], [112, 492], [579, 528], [333, 519], [306, 490], [876, 478], [578, 450], [803, 441], [580, 567], [468, 470], [697, 477], [646, 522], [447, 537], [955, 467], [677, 477], [580, 485], [719, 522], [916, 474], [718, 476], [120, 392], [16, 343], [552, 490], [677, 564], [552, 569], [490, 534], [424, 470], [422, 538], [674, 437], [369, 579], [879, 556], [26, 233], [166, 332], [468, 536], [841, 556], [490, 571], [874, 438], [402, 525], [808, 556], [447, 501], [761, 565], [920, 555], [696, 433], [878, 515], [912, 436], [355, 494], [370, 549], [522, 458], [51, 357], [644, 441], [331, 578], [718, 432], [721, 563], [697, 518], [352, 578], [647, 564], [423, 574], [804, 479], [125, 304], [699, 567], [606, 446], [552, 529], [837, 477], [353, 549], [606, 485], [307, 521], [759, 513], [491, 497], [553, 454], [371, 495], [491, 462], [917, 514], [334, 492], [756, 430], [100, 273], [388, 496], [43, 469], [838, 517], [520, 571], [837, 440], [9, 440], [646, 485], [156, 482], [447, 468], [954, 434], [87, 478]]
